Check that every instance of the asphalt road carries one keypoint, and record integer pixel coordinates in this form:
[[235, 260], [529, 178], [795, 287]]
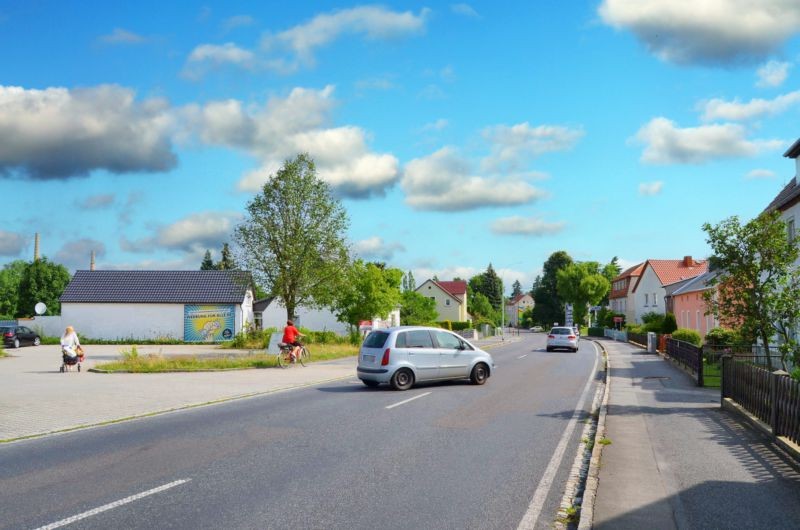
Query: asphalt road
[[338, 455]]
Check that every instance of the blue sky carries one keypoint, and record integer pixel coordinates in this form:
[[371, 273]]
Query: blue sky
[[456, 134]]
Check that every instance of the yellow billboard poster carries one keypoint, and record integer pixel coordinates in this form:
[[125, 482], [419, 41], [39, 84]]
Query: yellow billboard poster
[[208, 323]]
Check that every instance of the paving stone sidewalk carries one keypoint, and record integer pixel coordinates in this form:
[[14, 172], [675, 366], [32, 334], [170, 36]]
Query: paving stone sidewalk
[[35, 398], [677, 460]]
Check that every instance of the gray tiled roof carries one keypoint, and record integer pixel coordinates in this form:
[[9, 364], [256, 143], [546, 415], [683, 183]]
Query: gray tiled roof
[[789, 193], [159, 287]]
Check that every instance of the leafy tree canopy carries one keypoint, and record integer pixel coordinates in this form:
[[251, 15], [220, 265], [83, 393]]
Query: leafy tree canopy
[[370, 291], [10, 278], [416, 309], [549, 306], [42, 281], [293, 238], [582, 284]]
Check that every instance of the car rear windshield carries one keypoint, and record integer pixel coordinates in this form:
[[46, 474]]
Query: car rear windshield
[[561, 331], [376, 339]]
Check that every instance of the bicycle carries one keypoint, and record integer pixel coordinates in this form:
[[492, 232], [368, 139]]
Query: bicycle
[[285, 355]]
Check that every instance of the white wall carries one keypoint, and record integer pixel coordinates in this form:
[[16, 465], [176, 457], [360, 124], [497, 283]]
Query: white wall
[[446, 312], [274, 316], [51, 326], [649, 284], [121, 321]]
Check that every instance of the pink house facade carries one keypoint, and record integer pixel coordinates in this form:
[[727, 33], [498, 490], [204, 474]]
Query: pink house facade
[[690, 308]]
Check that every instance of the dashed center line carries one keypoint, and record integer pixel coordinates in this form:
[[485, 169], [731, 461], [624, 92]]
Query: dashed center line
[[522, 356], [407, 400], [112, 505]]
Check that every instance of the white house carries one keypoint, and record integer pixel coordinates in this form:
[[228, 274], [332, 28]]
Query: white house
[[516, 306], [649, 292], [622, 299], [195, 306], [450, 298]]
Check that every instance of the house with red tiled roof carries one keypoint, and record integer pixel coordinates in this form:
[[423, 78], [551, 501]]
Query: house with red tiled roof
[[621, 297], [450, 298], [649, 290], [517, 305]]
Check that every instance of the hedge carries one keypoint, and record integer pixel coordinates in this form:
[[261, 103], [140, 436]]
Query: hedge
[[597, 332], [688, 335]]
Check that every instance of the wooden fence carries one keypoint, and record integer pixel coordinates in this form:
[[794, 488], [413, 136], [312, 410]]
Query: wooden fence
[[772, 397]]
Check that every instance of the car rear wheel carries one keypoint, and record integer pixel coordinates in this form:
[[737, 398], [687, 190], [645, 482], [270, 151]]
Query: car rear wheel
[[402, 379], [37, 341], [549, 349], [479, 375], [574, 350], [371, 384], [16, 343]]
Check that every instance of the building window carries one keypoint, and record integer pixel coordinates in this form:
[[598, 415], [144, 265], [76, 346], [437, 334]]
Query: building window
[[447, 302], [790, 229], [698, 321], [646, 300], [655, 300]]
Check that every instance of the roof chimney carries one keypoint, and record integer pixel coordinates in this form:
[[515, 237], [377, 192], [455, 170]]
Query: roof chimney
[[36, 247], [91, 263], [688, 261]]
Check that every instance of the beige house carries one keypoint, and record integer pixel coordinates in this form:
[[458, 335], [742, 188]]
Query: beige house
[[516, 306], [450, 298]]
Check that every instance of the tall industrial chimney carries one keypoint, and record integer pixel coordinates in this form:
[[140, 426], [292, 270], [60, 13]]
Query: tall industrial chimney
[[36, 247], [91, 264]]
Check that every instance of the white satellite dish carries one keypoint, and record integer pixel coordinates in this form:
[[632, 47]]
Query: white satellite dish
[[40, 308]]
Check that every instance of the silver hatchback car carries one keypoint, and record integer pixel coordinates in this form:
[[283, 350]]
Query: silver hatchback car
[[562, 337], [404, 355]]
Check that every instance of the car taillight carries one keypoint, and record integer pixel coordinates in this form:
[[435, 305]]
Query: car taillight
[[385, 360], [9, 334], [551, 336], [571, 337]]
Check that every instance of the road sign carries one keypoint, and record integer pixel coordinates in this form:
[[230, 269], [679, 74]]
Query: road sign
[[568, 315]]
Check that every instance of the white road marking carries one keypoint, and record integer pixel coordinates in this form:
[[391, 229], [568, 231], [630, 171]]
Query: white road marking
[[111, 506], [407, 400], [543, 489], [522, 356]]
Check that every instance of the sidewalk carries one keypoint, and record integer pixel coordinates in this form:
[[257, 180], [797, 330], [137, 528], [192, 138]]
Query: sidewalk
[[678, 461], [36, 399]]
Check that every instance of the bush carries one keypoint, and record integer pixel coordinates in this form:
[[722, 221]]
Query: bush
[[460, 325], [723, 336], [669, 325], [635, 328], [653, 322], [688, 335], [446, 324], [596, 332]]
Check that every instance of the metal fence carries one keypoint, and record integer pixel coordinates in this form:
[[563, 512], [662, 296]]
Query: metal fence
[[772, 397], [638, 338], [618, 335], [688, 355]]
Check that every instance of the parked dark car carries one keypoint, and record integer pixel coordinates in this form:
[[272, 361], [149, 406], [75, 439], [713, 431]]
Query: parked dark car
[[16, 336]]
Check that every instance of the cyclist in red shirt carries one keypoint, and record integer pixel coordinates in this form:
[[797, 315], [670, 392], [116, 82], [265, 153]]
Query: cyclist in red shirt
[[290, 335]]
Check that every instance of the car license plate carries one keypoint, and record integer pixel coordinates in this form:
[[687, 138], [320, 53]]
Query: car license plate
[[369, 358]]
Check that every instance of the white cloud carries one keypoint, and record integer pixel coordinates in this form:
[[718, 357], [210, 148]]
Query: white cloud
[[443, 181], [437, 125], [193, 233], [665, 143], [464, 10], [759, 174], [122, 36], [209, 56], [297, 123], [513, 146], [526, 226], [59, 133], [719, 109], [237, 21], [650, 188], [96, 202], [375, 83], [377, 249], [772, 74], [287, 51], [78, 254], [706, 32], [11, 243]]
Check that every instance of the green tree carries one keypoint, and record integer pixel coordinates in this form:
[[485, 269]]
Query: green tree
[[481, 309], [526, 320], [669, 324], [516, 289], [42, 281], [208, 263], [293, 238], [409, 283], [370, 291], [549, 306], [10, 278], [416, 309], [611, 270], [489, 284], [226, 262], [758, 282], [582, 284]]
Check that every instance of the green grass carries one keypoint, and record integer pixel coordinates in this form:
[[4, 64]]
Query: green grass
[[3, 353], [712, 374], [133, 362]]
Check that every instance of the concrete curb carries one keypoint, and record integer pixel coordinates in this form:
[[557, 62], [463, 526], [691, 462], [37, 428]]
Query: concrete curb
[[592, 478]]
